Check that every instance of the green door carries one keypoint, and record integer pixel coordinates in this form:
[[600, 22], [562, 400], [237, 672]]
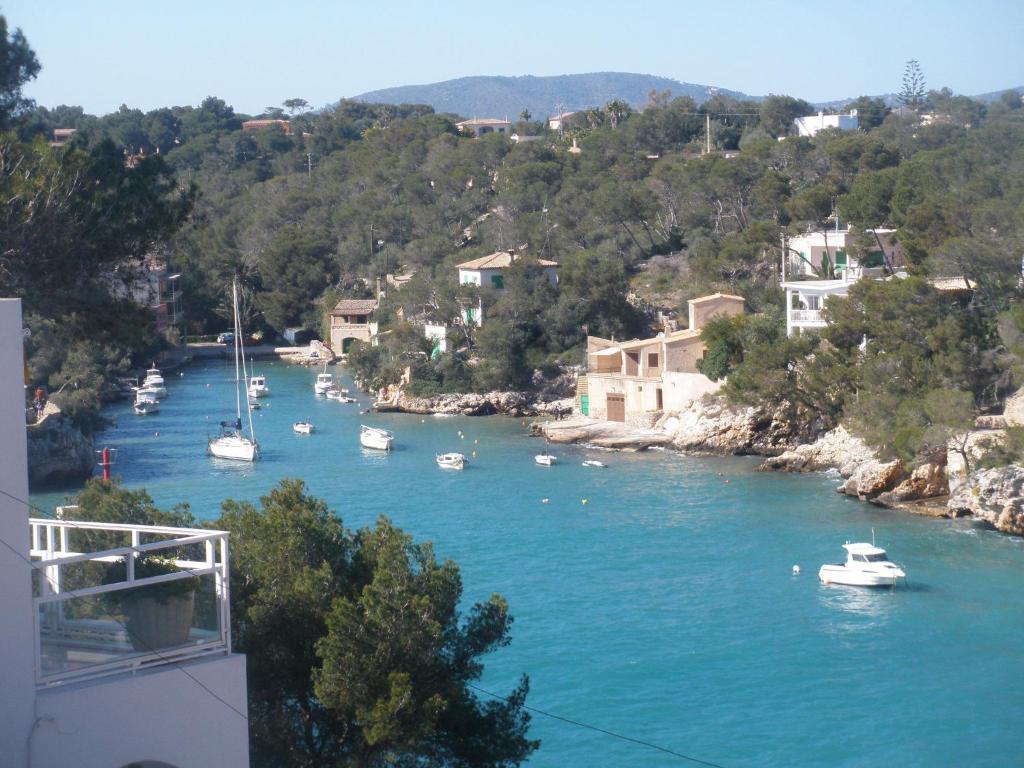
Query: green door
[[585, 405]]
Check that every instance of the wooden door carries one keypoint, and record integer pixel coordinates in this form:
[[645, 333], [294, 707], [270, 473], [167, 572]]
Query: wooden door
[[616, 407]]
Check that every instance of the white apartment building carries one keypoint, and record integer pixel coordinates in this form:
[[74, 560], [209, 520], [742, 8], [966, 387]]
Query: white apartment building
[[78, 687], [809, 125]]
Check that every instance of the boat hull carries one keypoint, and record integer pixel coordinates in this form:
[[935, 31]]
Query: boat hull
[[302, 428], [233, 447], [840, 574], [451, 461], [376, 439], [545, 460], [143, 408]]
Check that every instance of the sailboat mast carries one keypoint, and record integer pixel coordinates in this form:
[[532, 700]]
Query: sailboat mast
[[238, 340], [245, 375]]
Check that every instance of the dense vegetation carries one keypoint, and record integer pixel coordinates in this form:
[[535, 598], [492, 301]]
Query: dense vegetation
[[639, 219]]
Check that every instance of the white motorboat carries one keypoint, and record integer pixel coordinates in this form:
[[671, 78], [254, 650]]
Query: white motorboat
[[452, 461], [254, 404], [545, 459], [146, 403], [153, 377], [594, 463], [373, 437], [866, 566], [324, 382], [232, 442], [303, 427], [151, 391], [258, 386]]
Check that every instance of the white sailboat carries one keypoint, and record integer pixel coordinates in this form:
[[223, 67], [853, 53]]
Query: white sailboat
[[232, 443]]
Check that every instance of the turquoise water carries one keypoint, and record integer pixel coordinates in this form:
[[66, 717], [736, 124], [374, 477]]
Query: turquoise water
[[664, 608]]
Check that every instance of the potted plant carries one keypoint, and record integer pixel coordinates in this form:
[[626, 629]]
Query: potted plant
[[158, 615]]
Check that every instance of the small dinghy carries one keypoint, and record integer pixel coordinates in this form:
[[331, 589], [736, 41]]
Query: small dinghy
[[452, 461], [594, 463], [303, 427], [866, 566]]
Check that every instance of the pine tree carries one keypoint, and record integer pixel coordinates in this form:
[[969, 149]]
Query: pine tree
[[912, 93]]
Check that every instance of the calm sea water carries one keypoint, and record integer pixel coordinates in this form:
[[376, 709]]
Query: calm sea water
[[664, 608]]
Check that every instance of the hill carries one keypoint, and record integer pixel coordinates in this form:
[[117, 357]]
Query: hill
[[495, 96]]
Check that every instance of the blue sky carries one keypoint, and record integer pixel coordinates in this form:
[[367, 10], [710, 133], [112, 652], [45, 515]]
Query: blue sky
[[102, 53]]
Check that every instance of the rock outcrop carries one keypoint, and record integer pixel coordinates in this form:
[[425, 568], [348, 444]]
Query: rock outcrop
[[57, 449], [472, 404], [836, 449], [602, 434], [995, 496], [709, 426]]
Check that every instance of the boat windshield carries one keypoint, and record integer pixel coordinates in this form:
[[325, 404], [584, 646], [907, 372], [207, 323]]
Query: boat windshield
[[881, 557]]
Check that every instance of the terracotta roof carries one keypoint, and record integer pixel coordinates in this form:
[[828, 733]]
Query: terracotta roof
[[354, 307], [714, 296], [499, 260]]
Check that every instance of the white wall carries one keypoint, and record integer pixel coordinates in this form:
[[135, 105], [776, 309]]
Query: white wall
[[17, 657], [162, 714], [679, 390]]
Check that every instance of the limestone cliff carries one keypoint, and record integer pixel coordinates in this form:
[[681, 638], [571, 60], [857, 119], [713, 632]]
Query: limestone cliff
[[57, 449]]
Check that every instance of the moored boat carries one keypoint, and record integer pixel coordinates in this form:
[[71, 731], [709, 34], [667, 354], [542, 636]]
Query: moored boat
[[324, 382], [232, 442], [145, 403], [594, 463], [866, 566], [545, 459], [452, 461], [258, 386], [376, 438], [303, 427]]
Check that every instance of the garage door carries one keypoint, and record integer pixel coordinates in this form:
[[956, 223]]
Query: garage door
[[616, 406]]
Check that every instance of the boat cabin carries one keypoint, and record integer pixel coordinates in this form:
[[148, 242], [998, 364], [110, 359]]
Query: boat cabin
[[865, 553]]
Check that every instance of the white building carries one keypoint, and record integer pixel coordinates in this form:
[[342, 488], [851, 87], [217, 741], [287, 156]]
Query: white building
[[877, 250], [811, 124], [806, 298], [489, 272], [438, 334], [479, 126], [561, 121], [77, 689]]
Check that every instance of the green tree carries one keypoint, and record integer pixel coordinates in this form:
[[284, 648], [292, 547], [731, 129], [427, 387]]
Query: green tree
[[357, 650], [912, 91], [18, 65]]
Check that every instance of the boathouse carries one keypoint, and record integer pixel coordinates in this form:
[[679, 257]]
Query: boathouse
[[350, 321], [637, 381]]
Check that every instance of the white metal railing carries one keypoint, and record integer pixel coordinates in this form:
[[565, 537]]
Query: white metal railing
[[79, 635], [806, 316]]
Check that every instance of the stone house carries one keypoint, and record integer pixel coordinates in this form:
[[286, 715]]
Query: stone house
[[350, 321], [636, 381], [489, 271]]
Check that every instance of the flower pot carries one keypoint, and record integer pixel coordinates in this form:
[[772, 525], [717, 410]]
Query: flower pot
[[154, 624]]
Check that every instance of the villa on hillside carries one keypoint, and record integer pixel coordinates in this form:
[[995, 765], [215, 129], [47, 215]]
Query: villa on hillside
[[350, 321], [636, 381], [805, 253], [489, 272], [811, 124], [479, 126]]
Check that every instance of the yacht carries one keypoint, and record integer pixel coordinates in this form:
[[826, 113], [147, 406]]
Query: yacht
[[145, 403], [324, 382], [866, 566], [452, 461], [373, 437], [258, 386], [232, 443], [153, 383]]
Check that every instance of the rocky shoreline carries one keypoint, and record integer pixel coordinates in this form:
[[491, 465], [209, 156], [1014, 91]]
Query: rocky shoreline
[[941, 487], [488, 404], [57, 449]]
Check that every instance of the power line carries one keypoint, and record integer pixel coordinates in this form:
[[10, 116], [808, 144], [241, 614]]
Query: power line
[[606, 732]]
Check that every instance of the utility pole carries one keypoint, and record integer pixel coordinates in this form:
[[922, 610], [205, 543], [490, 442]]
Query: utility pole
[[707, 131], [783, 237], [309, 164]]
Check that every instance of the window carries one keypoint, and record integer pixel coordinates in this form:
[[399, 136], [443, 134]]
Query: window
[[814, 302], [652, 360], [498, 281]]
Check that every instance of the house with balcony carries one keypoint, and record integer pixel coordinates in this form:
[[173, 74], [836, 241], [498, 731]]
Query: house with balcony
[[350, 321], [490, 272], [95, 672], [151, 284], [853, 255], [637, 381]]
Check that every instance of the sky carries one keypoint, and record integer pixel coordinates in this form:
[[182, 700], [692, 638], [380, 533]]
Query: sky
[[100, 54]]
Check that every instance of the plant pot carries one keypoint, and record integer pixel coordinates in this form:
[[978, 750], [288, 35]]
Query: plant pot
[[154, 624]]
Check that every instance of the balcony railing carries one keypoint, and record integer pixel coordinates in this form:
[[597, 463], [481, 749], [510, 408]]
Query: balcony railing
[[806, 316], [93, 618]]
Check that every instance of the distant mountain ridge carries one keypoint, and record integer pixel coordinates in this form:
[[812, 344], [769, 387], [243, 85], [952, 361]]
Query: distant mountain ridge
[[497, 96], [500, 96]]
